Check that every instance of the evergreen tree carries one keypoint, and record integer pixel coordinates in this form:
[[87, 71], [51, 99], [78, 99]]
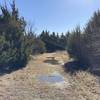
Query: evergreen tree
[[77, 49], [53, 41], [92, 34], [13, 53]]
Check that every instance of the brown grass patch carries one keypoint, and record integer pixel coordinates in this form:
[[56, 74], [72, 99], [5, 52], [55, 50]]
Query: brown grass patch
[[86, 86]]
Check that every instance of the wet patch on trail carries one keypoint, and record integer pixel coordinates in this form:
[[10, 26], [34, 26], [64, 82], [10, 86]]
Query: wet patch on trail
[[53, 78]]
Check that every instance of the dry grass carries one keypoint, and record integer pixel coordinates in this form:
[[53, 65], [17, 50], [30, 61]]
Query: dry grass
[[86, 86], [23, 84]]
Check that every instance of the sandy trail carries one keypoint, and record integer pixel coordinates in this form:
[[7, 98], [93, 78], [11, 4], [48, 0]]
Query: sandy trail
[[24, 85]]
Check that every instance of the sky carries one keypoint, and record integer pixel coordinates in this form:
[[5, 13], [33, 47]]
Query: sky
[[56, 15]]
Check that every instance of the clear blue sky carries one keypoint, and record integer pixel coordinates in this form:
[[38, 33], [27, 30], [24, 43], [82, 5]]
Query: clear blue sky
[[56, 15]]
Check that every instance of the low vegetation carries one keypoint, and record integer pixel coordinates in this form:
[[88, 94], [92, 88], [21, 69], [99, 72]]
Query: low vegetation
[[76, 47], [85, 85], [53, 41], [85, 46], [12, 39], [17, 44]]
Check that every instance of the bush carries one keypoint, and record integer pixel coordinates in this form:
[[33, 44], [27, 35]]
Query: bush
[[86, 47], [76, 47], [38, 46], [92, 33], [13, 50]]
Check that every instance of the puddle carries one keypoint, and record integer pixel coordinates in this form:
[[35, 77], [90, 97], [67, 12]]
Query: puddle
[[53, 62], [51, 78]]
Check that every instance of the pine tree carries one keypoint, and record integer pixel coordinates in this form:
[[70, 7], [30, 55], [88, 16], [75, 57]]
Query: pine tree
[[13, 53], [93, 40], [77, 49]]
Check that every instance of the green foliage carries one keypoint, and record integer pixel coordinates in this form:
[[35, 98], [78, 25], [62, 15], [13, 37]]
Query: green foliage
[[92, 34], [73, 45], [76, 46], [38, 47], [53, 41], [16, 44], [34, 44], [85, 47], [13, 51]]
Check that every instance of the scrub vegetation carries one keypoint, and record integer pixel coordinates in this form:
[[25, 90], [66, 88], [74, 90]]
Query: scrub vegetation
[[24, 56]]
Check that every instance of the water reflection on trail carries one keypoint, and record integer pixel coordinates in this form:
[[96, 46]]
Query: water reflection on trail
[[53, 78]]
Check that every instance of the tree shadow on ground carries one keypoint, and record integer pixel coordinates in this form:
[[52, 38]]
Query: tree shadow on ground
[[96, 72], [74, 66], [9, 70]]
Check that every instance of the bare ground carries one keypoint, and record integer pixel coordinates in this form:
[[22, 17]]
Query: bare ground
[[24, 85]]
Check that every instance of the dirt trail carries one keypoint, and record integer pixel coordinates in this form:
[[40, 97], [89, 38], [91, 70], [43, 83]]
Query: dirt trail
[[24, 85]]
